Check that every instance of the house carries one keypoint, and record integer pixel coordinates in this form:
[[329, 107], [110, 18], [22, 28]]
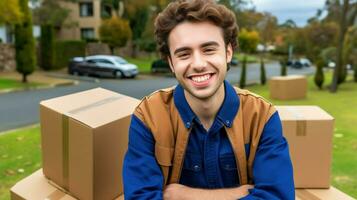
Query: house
[[88, 15]]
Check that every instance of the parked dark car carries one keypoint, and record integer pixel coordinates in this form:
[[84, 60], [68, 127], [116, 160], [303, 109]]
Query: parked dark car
[[103, 66], [299, 63], [234, 61], [160, 66]]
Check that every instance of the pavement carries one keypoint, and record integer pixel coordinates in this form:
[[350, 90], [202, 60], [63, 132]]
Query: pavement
[[44, 78]]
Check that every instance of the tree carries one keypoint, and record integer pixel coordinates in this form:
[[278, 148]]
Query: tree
[[47, 47], [242, 82], [24, 43], [263, 77], [248, 40], [267, 28], [51, 12], [319, 74], [345, 13], [10, 12], [137, 14], [115, 32]]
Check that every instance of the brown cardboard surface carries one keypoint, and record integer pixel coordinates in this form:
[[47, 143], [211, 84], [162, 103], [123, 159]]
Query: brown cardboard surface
[[37, 187], [321, 194], [288, 87], [84, 138], [309, 132]]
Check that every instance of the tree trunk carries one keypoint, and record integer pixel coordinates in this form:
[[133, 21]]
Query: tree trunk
[[339, 66], [134, 51], [24, 78]]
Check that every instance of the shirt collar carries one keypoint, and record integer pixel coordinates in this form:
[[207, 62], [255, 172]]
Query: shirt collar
[[226, 113]]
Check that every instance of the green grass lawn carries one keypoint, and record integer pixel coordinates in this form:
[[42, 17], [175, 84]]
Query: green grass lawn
[[20, 155], [20, 151], [144, 63], [16, 84]]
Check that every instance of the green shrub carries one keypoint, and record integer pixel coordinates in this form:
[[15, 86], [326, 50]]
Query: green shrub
[[160, 66], [242, 82], [319, 74], [25, 43], [65, 50], [47, 47], [263, 77]]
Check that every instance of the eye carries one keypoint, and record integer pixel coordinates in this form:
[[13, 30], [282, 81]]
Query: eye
[[183, 55], [209, 50]]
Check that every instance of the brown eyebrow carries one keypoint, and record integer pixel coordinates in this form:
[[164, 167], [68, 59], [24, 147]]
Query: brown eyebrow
[[210, 44], [206, 44]]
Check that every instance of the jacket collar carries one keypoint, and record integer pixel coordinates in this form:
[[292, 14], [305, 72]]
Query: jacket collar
[[225, 115]]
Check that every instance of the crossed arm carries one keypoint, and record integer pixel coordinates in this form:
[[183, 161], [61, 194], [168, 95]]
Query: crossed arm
[[181, 192], [272, 168]]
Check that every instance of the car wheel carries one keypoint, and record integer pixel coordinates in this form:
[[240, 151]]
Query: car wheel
[[118, 74]]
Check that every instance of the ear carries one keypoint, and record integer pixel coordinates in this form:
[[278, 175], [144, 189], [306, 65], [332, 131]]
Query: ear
[[229, 53], [170, 63]]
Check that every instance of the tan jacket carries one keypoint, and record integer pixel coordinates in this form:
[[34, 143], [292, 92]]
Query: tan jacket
[[160, 115]]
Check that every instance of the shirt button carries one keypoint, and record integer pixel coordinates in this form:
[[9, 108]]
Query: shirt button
[[188, 124], [196, 168], [228, 122]]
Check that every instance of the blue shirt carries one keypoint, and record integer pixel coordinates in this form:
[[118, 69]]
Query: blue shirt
[[209, 159]]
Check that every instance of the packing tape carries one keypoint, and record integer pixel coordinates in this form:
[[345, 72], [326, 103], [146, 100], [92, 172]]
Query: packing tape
[[55, 195], [58, 193], [305, 195], [65, 134], [300, 121]]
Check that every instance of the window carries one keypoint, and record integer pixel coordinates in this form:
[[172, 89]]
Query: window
[[87, 33], [86, 9]]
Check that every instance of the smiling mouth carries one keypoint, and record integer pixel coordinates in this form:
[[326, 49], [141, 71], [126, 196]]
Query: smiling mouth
[[201, 78]]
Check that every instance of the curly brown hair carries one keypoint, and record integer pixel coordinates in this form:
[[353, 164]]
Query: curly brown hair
[[194, 11]]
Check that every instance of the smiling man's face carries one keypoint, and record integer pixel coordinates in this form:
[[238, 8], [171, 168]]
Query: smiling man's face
[[199, 58]]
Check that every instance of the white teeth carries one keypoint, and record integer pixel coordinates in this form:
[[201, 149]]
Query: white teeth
[[199, 79]]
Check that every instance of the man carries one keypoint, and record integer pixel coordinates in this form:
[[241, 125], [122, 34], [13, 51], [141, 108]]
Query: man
[[204, 139]]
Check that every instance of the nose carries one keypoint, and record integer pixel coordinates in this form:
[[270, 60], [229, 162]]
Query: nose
[[199, 63]]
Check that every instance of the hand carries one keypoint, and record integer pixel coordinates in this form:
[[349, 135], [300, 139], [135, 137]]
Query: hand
[[175, 191]]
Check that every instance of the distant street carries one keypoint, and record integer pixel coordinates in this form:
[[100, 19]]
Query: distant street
[[19, 109]]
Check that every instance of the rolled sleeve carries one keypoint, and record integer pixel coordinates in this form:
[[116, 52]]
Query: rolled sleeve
[[272, 168], [142, 177]]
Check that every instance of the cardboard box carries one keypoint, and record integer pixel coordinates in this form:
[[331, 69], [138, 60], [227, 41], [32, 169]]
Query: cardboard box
[[84, 139], [321, 194], [288, 87], [309, 132], [37, 187]]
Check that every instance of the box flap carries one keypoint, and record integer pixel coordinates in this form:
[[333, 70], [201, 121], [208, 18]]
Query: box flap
[[93, 107], [302, 113], [290, 77], [77, 100]]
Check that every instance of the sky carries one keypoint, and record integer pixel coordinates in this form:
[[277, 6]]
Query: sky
[[299, 11]]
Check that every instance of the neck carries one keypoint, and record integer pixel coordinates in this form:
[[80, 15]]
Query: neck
[[206, 109]]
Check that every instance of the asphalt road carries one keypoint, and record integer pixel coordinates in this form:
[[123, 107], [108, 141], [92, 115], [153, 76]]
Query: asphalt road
[[18, 109]]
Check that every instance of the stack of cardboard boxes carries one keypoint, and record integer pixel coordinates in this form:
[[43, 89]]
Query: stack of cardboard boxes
[[309, 132], [84, 139]]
